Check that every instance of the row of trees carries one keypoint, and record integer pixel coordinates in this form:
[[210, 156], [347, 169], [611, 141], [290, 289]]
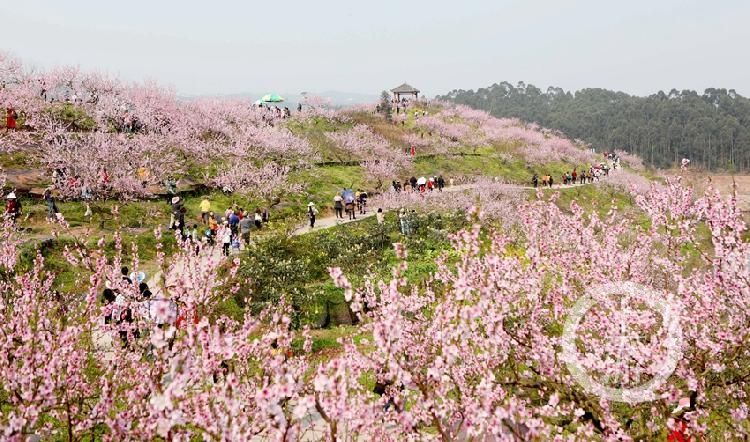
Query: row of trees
[[712, 129], [109, 138]]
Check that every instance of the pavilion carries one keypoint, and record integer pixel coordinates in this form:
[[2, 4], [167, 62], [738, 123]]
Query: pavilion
[[405, 89]]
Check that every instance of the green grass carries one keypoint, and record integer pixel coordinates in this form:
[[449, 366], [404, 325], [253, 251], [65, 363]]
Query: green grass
[[74, 117], [16, 160], [322, 183]]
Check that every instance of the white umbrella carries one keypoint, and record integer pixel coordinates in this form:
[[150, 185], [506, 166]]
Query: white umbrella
[[422, 180]]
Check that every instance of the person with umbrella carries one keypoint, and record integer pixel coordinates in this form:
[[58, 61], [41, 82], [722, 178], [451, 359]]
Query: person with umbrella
[[272, 98], [348, 196], [421, 183]]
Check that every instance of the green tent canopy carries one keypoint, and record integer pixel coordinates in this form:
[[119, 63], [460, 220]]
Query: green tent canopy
[[272, 98]]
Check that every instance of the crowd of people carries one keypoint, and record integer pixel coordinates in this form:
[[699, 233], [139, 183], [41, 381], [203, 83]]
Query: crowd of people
[[275, 112], [593, 173], [421, 184], [237, 222], [350, 202], [152, 309]]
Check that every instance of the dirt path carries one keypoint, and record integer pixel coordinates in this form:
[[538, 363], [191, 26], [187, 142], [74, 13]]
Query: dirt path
[[331, 221]]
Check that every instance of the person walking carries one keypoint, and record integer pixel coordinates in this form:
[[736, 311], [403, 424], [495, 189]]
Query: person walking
[[205, 210], [226, 240], [177, 205], [312, 212], [338, 206], [440, 183], [258, 219], [246, 224], [234, 222], [362, 202], [51, 205], [10, 119], [349, 205], [380, 216], [169, 184], [12, 207], [413, 182], [535, 181]]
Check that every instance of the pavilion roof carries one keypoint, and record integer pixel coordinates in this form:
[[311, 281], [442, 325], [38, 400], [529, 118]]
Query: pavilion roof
[[405, 89]]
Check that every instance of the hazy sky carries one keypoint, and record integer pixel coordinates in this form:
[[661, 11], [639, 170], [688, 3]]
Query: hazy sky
[[222, 46]]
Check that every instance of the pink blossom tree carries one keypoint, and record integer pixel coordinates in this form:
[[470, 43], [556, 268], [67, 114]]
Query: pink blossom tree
[[475, 351], [379, 160]]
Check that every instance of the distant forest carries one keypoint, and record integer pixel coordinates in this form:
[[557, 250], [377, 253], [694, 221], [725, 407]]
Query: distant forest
[[711, 129]]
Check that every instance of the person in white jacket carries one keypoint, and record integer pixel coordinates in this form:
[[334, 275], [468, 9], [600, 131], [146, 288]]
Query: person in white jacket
[[312, 211]]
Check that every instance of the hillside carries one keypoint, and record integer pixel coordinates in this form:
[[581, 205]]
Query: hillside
[[114, 148], [94, 136], [712, 129], [138, 305]]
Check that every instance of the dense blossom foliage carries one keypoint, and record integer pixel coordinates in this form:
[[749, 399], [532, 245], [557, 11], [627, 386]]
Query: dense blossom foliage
[[139, 133], [633, 161], [495, 200], [472, 127], [379, 160], [472, 352]]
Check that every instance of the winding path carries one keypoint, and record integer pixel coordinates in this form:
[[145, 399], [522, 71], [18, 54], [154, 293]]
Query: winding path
[[331, 221]]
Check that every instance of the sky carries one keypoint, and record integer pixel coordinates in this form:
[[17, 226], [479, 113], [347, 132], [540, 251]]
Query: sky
[[227, 47]]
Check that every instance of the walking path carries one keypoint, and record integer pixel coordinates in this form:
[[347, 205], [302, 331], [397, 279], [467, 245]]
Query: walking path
[[331, 221]]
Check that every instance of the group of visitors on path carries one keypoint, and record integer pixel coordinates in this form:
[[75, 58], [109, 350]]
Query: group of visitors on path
[[13, 206], [237, 223], [593, 173], [421, 184], [350, 202]]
